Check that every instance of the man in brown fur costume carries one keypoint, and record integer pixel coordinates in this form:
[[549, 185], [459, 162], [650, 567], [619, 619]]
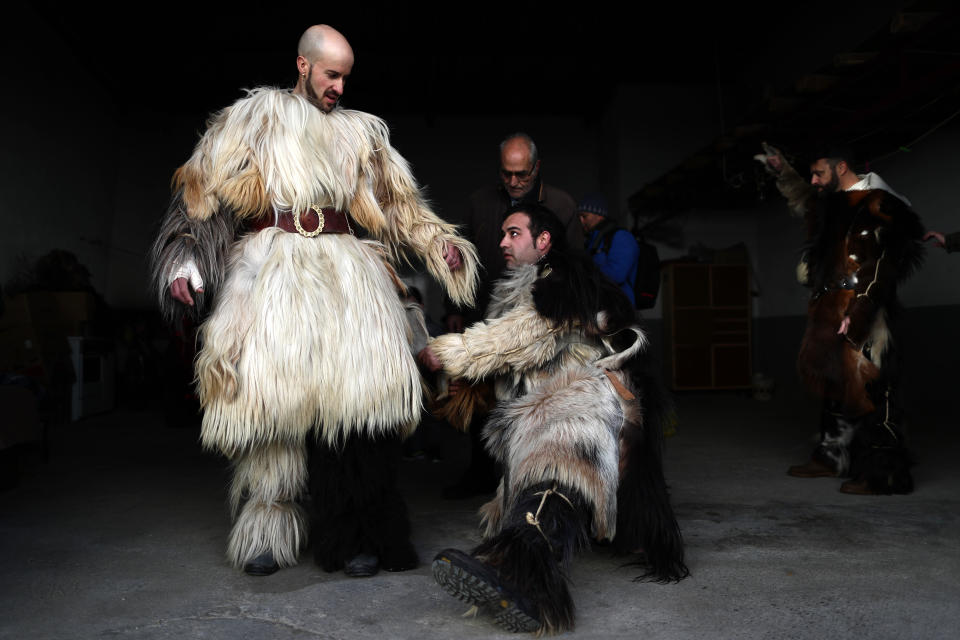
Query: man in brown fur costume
[[862, 241], [307, 338], [581, 458]]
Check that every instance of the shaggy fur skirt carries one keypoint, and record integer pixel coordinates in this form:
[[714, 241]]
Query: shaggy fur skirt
[[307, 331]]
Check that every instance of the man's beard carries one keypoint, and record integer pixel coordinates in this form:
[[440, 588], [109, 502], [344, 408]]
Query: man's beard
[[312, 96], [314, 99], [832, 186]]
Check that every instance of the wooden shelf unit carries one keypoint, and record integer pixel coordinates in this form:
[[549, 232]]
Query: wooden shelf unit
[[706, 319]]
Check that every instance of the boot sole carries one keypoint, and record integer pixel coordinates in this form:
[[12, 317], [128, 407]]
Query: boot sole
[[470, 581]]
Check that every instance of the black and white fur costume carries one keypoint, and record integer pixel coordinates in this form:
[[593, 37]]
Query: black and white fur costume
[[580, 457], [307, 336]]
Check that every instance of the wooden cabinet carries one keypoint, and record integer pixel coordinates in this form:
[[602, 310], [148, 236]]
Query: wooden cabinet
[[706, 318]]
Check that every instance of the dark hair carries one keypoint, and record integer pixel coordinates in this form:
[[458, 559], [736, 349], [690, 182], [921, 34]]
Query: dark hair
[[575, 290], [833, 154], [541, 219]]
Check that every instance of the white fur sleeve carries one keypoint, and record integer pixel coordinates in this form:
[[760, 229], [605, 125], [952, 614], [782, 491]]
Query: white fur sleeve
[[410, 222], [519, 340]]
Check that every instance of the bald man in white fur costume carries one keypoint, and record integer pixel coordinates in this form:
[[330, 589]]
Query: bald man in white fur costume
[[306, 341]]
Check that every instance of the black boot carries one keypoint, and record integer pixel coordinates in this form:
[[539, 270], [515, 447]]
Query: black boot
[[263, 565], [519, 575], [476, 583]]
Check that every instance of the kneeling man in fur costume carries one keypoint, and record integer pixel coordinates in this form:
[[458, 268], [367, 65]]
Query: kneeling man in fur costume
[[580, 458], [862, 241], [307, 339]]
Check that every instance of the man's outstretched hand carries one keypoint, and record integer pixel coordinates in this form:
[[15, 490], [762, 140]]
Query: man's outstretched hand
[[771, 158]]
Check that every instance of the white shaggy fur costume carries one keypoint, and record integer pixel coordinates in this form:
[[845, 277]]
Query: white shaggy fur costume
[[305, 332]]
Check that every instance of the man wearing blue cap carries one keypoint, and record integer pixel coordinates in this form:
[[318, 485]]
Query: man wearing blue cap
[[614, 249]]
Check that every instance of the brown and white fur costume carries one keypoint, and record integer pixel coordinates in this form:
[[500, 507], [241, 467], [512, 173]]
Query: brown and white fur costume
[[860, 245], [305, 333], [566, 420]]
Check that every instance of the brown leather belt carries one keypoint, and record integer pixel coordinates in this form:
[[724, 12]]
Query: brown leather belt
[[308, 223]]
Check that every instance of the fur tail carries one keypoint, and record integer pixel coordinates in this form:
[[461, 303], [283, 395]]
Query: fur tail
[[645, 517]]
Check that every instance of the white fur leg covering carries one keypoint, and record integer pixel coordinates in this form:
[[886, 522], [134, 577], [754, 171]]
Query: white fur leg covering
[[268, 480]]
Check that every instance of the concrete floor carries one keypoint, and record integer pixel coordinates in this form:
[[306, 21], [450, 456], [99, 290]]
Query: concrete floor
[[121, 534]]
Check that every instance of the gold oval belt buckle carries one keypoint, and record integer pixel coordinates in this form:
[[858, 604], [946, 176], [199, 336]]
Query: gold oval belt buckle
[[301, 230]]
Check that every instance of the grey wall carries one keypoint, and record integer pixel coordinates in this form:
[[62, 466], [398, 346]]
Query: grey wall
[[928, 176], [151, 146], [58, 162], [80, 175]]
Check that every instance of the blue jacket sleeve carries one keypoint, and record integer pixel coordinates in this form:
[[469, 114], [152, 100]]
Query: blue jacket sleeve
[[622, 255]]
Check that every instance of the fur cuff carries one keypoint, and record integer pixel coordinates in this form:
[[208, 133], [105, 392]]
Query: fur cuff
[[461, 285]]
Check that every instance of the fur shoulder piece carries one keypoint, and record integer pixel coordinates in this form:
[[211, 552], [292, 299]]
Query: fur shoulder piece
[[514, 289], [900, 230], [271, 148]]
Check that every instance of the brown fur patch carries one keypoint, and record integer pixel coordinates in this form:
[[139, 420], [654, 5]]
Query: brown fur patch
[[459, 411], [828, 364], [200, 205], [246, 194], [855, 197]]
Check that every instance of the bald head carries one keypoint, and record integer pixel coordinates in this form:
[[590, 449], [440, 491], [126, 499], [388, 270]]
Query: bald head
[[519, 164], [324, 61], [320, 38]]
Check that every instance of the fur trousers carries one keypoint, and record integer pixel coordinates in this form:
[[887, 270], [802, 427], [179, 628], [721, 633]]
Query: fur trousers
[[357, 507], [871, 447]]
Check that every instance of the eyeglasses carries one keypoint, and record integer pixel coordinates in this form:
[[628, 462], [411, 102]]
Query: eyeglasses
[[519, 175]]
